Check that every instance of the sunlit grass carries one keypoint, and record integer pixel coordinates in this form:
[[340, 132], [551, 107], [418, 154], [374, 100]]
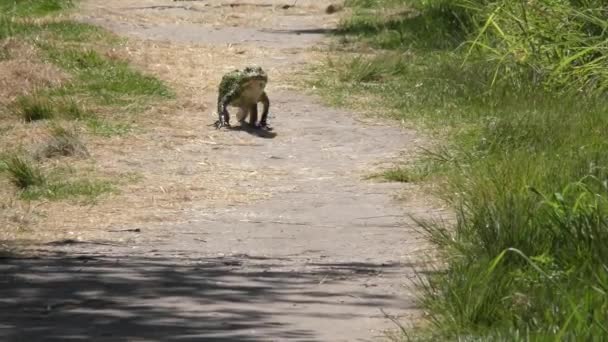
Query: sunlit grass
[[524, 166]]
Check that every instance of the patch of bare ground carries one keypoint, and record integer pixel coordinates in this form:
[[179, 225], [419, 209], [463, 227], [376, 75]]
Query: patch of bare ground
[[158, 174]]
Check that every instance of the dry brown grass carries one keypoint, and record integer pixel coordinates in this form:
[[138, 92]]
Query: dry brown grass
[[23, 72]]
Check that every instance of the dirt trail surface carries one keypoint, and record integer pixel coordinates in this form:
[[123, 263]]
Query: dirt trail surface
[[274, 237]]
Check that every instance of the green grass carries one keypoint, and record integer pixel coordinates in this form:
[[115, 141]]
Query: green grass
[[103, 81], [112, 82], [401, 174], [22, 8], [87, 190], [74, 32], [63, 31], [419, 172], [64, 106], [430, 166], [108, 128], [524, 167], [59, 184], [22, 172], [34, 108], [562, 43], [71, 109]]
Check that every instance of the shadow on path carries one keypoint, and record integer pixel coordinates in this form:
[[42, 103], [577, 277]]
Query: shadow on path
[[120, 298]]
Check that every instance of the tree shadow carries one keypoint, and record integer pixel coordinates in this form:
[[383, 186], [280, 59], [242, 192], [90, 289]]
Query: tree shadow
[[126, 298], [440, 27]]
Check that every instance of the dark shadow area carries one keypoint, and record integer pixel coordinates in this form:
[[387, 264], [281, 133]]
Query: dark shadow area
[[302, 31], [165, 7], [128, 298], [258, 132], [440, 28], [241, 4]]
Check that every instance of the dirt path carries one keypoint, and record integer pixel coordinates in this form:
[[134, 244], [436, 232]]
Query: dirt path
[[295, 246]]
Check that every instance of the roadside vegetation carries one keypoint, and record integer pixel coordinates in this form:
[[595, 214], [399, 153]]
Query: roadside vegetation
[[517, 92], [62, 85]]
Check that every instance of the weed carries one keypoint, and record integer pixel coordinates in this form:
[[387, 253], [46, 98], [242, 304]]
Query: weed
[[34, 184], [409, 174], [33, 108], [403, 175], [23, 173]]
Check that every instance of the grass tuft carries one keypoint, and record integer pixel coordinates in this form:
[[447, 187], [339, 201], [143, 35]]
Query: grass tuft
[[23, 173], [407, 174], [64, 142], [34, 108], [57, 185], [402, 175]]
